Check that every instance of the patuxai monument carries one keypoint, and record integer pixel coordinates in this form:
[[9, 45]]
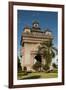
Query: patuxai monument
[[30, 41]]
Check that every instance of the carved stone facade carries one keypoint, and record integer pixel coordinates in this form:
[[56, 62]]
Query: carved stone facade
[[30, 40]]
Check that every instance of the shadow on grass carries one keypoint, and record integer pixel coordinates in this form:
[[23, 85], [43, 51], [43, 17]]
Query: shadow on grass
[[22, 74], [32, 77]]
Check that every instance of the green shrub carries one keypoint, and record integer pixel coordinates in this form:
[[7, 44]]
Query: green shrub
[[32, 77], [29, 71], [55, 71], [52, 71], [19, 68], [45, 67], [54, 65], [37, 66], [22, 73], [25, 68]]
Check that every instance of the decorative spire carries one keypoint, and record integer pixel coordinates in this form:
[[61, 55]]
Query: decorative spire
[[47, 31], [35, 25], [26, 27], [35, 22]]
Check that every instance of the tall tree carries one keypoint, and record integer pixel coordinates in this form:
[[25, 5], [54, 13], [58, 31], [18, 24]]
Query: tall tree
[[49, 52], [19, 64]]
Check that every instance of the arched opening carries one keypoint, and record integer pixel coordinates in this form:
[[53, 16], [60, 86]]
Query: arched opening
[[38, 57], [38, 64]]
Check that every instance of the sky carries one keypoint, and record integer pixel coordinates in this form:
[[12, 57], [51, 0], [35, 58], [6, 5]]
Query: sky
[[47, 19]]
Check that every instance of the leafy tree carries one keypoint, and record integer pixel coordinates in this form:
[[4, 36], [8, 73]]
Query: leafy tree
[[45, 67], [19, 64], [54, 65], [46, 47]]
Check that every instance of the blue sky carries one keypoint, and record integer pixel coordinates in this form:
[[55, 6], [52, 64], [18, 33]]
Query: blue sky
[[46, 20]]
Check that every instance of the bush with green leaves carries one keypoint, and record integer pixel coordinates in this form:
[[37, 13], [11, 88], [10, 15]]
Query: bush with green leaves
[[54, 65], [46, 67], [19, 65], [37, 66], [25, 69]]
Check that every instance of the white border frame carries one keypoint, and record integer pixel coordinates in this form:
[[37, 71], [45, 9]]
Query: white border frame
[[37, 81]]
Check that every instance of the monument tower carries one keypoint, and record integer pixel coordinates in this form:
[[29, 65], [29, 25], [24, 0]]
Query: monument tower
[[30, 41]]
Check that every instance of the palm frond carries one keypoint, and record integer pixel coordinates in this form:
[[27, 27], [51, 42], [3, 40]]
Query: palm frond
[[55, 49], [40, 48], [52, 53]]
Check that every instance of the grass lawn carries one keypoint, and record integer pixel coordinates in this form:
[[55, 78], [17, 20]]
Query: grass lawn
[[36, 75]]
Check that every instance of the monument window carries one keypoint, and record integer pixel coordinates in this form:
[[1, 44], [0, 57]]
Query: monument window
[[35, 25]]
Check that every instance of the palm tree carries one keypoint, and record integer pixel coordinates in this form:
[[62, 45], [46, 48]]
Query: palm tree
[[46, 47]]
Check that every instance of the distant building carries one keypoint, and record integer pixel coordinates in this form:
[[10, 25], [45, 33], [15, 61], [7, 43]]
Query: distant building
[[30, 41]]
